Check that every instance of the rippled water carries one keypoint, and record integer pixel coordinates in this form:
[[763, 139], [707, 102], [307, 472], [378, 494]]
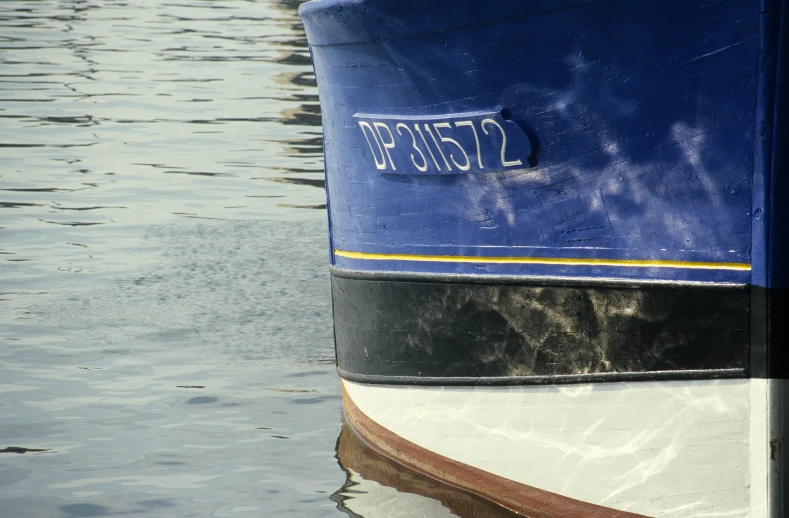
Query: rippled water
[[166, 325]]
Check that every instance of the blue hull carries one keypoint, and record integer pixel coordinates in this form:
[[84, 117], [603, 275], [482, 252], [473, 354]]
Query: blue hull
[[556, 191], [606, 140], [648, 123]]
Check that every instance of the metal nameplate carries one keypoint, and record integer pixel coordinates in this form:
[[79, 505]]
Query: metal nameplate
[[463, 143]]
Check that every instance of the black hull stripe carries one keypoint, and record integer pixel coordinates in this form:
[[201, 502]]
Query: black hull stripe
[[453, 330]]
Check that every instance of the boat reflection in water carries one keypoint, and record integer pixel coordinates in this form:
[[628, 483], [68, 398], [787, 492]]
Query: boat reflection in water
[[377, 487]]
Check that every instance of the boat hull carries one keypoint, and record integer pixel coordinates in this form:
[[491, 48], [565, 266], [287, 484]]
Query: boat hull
[[564, 211]]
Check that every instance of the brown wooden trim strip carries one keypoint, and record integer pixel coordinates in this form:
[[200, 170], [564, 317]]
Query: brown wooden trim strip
[[523, 499]]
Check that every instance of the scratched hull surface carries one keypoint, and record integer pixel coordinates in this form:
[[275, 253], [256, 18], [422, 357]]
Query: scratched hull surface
[[548, 194], [641, 138]]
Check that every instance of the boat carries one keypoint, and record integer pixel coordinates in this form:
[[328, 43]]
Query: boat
[[558, 248]]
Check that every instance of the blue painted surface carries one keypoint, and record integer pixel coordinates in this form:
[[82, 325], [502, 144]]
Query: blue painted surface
[[649, 127]]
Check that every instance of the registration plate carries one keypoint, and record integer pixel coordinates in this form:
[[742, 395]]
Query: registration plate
[[442, 144]]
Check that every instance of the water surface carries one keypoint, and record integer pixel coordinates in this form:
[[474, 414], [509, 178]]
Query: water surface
[[166, 327]]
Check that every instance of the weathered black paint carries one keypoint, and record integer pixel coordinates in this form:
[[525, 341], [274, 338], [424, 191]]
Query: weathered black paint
[[777, 334], [402, 328]]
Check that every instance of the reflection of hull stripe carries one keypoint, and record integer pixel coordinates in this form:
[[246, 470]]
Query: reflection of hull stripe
[[527, 500], [565, 261]]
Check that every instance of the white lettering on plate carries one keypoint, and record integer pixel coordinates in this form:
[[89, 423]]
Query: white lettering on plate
[[445, 144]]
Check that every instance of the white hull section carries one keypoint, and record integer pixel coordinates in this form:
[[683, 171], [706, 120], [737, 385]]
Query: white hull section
[[671, 449]]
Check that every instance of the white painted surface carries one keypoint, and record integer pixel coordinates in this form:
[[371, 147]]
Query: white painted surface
[[759, 448], [679, 449]]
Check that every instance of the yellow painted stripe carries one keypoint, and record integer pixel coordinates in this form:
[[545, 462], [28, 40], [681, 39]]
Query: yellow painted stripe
[[638, 263]]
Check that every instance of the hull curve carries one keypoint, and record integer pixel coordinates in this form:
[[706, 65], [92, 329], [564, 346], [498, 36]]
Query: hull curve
[[523, 499], [671, 449]]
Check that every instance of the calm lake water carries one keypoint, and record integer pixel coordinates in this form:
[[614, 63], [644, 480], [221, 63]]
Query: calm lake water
[[165, 315]]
